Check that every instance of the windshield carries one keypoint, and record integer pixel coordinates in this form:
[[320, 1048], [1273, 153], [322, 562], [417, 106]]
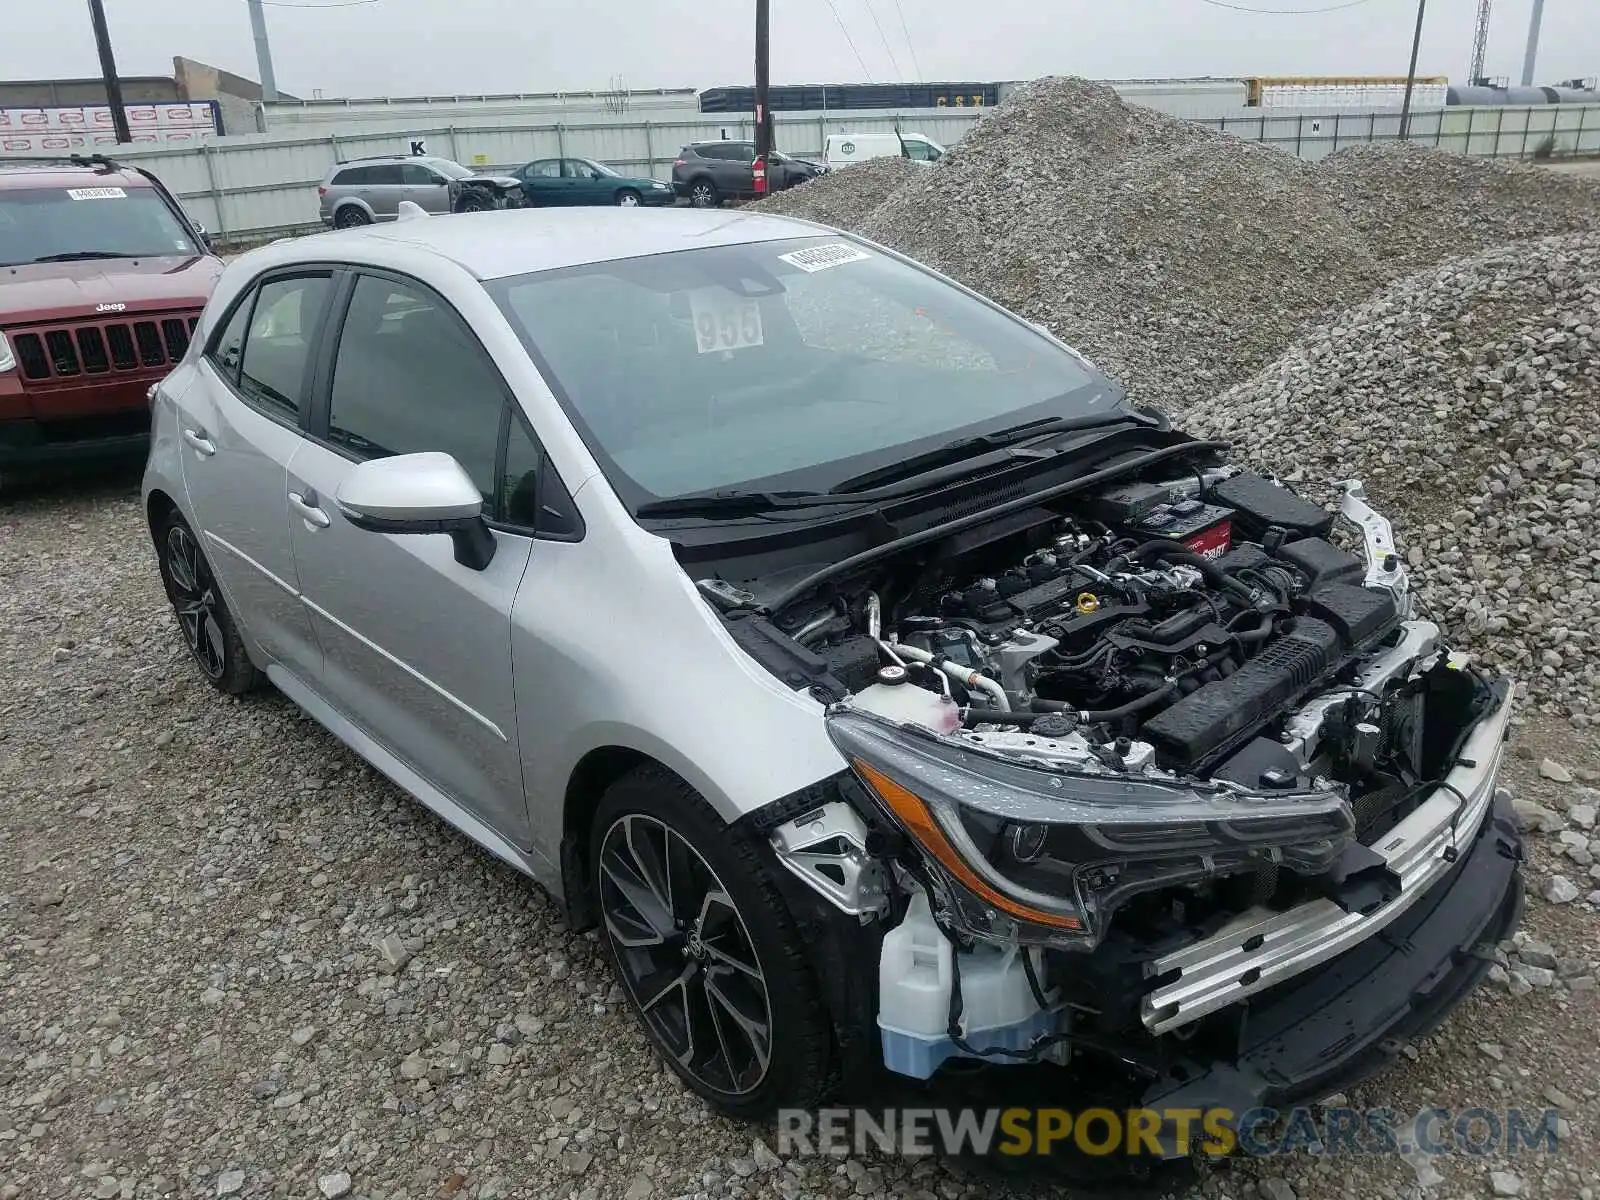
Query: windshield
[[452, 169], [794, 363], [51, 224], [599, 168]]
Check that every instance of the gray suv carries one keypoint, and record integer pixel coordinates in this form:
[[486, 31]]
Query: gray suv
[[365, 190], [707, 173]]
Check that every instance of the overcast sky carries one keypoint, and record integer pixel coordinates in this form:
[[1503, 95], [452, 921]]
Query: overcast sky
[[406, 47]]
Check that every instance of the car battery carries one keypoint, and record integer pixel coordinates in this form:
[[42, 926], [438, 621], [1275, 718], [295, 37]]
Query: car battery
[[1207, 529]]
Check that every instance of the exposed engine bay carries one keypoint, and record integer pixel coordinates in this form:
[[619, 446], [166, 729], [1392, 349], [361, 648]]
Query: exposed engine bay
[[1162, 625], [1126, 761]]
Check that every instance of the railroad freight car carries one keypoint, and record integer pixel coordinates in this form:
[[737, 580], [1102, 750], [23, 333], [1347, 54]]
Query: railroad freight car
[[825, 97], [1576, 91]]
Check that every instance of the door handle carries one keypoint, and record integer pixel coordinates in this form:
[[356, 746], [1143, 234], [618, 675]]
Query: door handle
[[202, 444], [306, 506]]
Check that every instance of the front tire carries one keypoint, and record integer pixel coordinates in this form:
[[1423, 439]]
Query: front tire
[[474, 202], [628, 198], [203, 618], [704, 946]]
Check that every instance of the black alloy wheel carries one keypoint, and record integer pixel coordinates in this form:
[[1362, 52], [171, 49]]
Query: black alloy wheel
[[685, 954], [207, 627], [703, 942]]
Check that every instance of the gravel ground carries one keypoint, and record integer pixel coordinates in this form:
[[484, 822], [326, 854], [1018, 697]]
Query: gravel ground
[[846, 197], [1467, 398], [1180, 259], [1588, 169], [234, 961]]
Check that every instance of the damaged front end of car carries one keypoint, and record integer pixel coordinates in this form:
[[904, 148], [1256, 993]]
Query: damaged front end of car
[[1218, 806]]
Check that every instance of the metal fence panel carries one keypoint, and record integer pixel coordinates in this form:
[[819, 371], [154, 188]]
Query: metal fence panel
[[260, 185]]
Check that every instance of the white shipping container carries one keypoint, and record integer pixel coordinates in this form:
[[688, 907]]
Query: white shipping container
[[76, 127]]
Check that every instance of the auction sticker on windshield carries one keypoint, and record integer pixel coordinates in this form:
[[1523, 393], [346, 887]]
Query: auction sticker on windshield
[[820, 258], [723, 321], [102, 193]]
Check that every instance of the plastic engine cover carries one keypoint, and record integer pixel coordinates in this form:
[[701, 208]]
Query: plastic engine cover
[[1208, 722], [1258, 504]]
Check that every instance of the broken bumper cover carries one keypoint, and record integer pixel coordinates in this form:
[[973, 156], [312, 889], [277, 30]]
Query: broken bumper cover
[[1261, 948], [1335, 1026]]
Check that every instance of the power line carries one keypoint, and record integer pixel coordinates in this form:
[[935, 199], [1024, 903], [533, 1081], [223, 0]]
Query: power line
[[845, 29], [1287, 12], [906, 29], [884, 38]]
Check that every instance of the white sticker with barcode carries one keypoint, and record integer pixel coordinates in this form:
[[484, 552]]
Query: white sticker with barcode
[[724, 321], [105, 193], [820, 258]]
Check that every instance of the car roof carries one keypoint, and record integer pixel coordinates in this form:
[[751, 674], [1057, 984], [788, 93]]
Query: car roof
[[494, 245], [63, 175], [389, 158]]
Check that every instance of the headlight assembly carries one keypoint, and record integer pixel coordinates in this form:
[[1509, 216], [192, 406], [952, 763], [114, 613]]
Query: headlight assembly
[[1048, 854]]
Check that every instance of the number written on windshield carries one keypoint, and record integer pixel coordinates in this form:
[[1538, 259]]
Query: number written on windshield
[[723, 321]]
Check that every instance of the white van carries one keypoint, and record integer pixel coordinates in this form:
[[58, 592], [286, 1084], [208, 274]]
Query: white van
[[843, 149]]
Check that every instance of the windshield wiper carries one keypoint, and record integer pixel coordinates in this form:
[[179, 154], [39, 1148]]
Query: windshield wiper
[[736, 503], [84, 255], [972, 447]]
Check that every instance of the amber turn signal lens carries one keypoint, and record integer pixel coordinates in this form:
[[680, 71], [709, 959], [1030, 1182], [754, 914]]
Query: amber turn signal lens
[[920, 823]]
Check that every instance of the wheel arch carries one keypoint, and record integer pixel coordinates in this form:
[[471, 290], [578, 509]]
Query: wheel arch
[[594, 773], [158, 506]]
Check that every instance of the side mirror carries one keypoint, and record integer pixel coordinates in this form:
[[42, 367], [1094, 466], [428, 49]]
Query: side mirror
[[419, 493], [205, 235]]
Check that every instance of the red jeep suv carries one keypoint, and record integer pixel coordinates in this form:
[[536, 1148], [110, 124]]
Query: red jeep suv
[[102, 278]]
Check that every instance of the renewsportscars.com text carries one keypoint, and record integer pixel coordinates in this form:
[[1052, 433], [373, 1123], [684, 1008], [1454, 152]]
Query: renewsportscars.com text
[[1259, 1132]]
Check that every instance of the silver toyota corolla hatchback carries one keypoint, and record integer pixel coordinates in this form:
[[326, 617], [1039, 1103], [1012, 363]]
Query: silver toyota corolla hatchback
[[886, 687]]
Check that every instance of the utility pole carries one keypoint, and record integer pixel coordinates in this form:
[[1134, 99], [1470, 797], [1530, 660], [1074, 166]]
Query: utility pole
[[1533, 43], [763, 83], [108, 72], [1411, 75], [258, 26]]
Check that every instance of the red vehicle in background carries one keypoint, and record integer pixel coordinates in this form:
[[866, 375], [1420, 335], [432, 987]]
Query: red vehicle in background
[[102, 279]]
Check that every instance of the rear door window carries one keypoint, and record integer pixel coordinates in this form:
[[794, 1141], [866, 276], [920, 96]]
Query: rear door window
[[265, 348]]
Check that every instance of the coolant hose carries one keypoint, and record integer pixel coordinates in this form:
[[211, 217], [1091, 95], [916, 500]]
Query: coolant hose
[[1136, 705], [997, 716], [1260, 633]]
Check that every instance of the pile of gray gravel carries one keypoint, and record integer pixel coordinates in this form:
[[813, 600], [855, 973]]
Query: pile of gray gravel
[[1181, 259], [1467, 398], [845, 197]]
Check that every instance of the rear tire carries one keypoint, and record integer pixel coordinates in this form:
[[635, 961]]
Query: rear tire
[[350, 217], [203, 618], [706, 949], [703, 194]]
